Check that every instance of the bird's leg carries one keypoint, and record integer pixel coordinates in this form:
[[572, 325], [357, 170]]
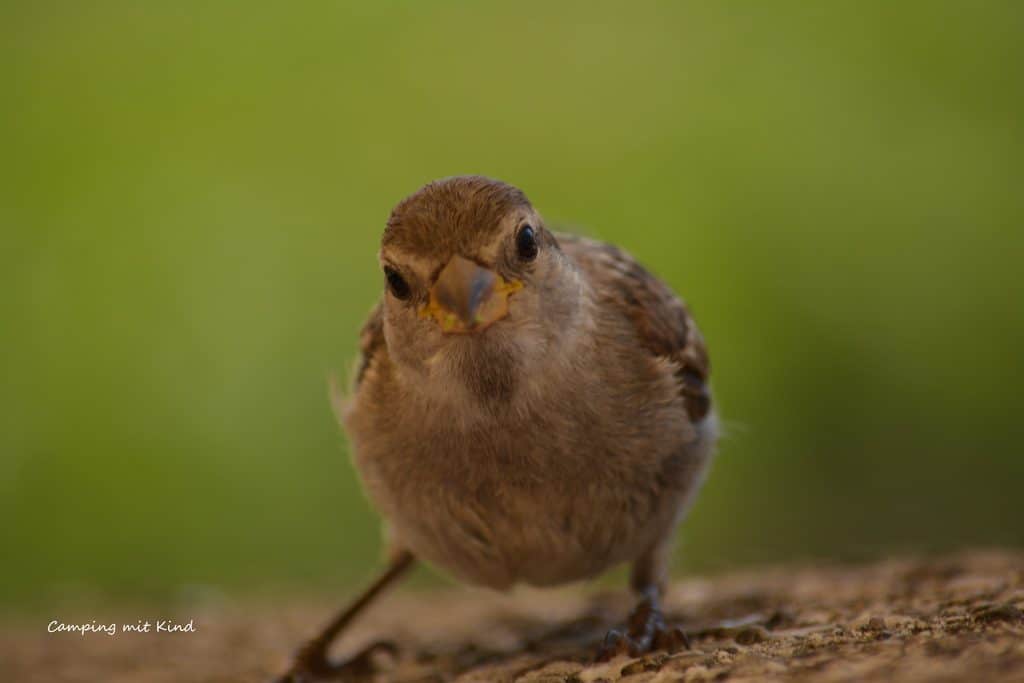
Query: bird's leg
[[311, 662], [646, 629]]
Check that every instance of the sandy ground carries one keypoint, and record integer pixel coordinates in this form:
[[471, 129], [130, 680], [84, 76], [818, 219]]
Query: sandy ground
[[957, 618]]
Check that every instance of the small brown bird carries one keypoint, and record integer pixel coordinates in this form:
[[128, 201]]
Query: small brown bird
[[530, 407]]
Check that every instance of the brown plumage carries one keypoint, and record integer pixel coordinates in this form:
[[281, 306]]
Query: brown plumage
[[471, 208], [557, 423], [662, 321]]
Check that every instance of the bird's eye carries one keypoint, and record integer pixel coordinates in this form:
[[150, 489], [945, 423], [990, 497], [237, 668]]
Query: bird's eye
[[526, 243], [396, 283]]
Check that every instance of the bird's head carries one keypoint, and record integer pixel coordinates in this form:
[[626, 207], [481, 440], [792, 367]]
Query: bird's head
[[476, 286]]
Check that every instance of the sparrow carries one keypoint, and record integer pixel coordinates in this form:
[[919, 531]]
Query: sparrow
[[529, 406]]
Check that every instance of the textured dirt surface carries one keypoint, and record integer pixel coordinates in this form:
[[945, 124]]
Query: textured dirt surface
[[957, 618]]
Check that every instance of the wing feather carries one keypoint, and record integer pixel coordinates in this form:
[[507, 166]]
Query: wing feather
[[662, 321], [371, 342]]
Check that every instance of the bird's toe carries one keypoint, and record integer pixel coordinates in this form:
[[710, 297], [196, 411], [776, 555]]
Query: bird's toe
[[311, 665]]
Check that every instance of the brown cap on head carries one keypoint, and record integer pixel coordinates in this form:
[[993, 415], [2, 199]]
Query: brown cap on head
[[456, 215]]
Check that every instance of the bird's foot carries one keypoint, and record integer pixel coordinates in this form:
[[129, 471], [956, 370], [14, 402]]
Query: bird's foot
[[646, 632], [311, 664]]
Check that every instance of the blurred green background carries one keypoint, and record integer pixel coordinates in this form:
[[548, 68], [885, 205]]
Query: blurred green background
[[191, 195]]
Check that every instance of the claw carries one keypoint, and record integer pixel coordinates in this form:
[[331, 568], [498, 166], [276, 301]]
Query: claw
[[615, 643], [671, 640], [646, 633], [311, 664]]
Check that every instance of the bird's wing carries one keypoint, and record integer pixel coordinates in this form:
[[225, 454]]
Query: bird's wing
[[662, 322], [371, 342]]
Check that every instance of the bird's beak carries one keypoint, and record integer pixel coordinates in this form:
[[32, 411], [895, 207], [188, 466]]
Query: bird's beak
[[467, 297]]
